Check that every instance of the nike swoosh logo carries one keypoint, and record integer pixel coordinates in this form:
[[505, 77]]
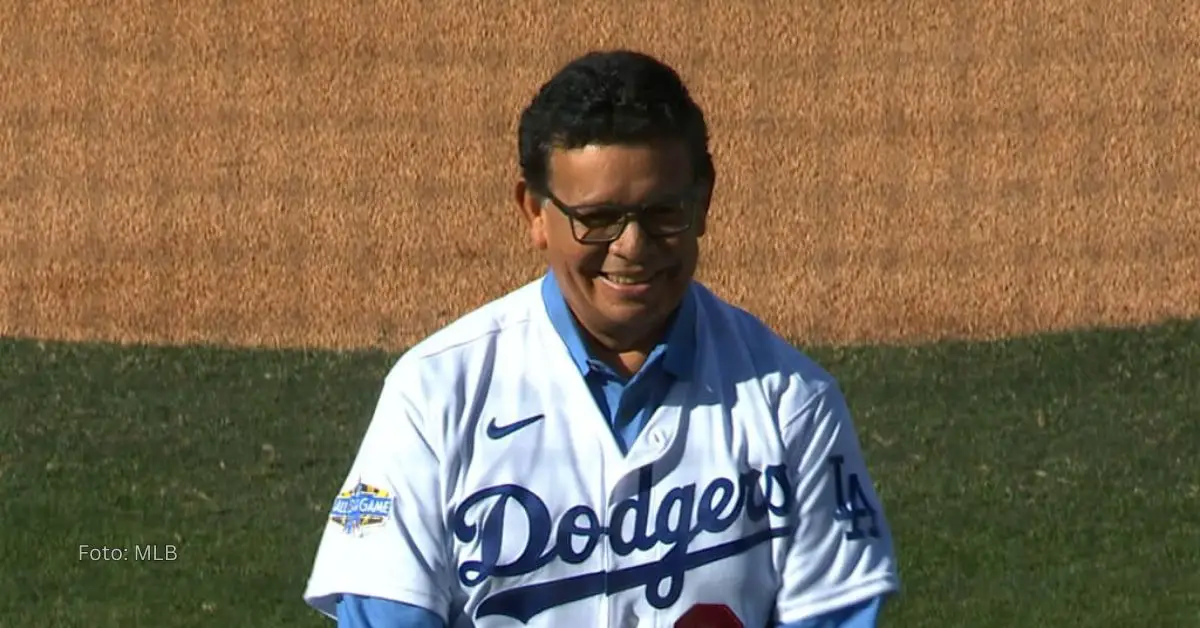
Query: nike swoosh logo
[[496, 432]]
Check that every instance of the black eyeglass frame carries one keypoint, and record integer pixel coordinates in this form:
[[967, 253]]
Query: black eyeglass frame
[[690, 203]]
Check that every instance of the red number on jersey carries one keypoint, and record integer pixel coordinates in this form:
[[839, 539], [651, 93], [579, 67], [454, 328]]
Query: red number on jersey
[[709, 616]]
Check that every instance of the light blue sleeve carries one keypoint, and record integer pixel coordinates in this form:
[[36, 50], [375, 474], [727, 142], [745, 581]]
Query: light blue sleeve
[[861, 615], [356, 611]]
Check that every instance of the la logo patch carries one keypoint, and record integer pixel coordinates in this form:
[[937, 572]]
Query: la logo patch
[[709, 616], [360, 508]]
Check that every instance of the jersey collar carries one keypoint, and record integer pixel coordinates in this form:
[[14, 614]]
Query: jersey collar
[[676, 351]]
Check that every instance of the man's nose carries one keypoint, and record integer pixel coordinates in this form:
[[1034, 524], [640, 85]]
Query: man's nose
[[631, 241]]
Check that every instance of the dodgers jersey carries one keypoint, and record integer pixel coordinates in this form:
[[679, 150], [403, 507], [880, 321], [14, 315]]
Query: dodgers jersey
[[490, 489]]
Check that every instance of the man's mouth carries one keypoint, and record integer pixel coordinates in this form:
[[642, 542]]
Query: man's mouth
[[630, 279]]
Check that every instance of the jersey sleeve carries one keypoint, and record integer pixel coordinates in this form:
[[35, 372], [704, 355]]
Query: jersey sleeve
[[841, 552], [384, 536], [354, 611], [860, 615]]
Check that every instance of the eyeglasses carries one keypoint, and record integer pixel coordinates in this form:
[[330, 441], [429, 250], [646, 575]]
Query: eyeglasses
[[604, 223]]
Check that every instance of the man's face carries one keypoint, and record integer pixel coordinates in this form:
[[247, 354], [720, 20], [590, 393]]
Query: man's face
[[624, 290]]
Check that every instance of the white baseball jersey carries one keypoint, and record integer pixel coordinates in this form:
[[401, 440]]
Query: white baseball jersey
[[489, 487]]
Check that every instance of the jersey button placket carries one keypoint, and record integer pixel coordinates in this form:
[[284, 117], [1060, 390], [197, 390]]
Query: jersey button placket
[[660, 440], [609, 561], [605, 545], [622, 606]]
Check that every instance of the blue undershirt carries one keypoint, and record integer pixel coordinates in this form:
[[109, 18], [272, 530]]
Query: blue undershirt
[[627, 403]]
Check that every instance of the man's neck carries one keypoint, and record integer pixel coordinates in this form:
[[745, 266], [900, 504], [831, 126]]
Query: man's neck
[[625, 363], [625, 356]]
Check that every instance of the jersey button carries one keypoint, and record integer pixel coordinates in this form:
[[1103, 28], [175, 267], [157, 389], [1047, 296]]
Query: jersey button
[[658, 439]]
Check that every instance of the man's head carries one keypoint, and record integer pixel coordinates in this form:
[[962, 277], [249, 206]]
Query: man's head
[[615, 140]]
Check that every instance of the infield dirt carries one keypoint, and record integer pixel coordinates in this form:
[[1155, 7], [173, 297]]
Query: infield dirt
[[338, 174]]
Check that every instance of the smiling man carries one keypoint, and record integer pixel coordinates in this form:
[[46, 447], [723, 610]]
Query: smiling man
[[612, 444]]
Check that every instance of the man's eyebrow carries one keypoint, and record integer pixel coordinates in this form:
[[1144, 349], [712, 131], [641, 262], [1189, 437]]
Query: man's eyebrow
[[651, 199]]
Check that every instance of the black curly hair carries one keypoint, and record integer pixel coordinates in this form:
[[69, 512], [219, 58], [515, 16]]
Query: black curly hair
[[610, 97]]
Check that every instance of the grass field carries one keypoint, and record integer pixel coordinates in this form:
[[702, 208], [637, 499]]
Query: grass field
[[1036, 482]]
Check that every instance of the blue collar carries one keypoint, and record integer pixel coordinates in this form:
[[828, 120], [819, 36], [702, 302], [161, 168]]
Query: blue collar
[[676, 351]]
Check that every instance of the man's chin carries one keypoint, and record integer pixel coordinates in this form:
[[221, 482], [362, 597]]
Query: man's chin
[[635, 319]]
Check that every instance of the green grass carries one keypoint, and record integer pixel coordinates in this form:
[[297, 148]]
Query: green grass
[[1036, 482]]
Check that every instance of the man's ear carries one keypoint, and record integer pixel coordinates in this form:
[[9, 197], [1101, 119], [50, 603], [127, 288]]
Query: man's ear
[[705, 199], [530, 206]]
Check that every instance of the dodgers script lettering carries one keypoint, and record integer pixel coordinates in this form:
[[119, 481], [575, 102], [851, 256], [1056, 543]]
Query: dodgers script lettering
[[681, 516]]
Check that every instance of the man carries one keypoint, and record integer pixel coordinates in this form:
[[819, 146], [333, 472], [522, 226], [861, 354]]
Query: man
[[612, 444]]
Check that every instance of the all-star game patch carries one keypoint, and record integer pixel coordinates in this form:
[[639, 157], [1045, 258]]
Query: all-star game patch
[[360, 508]]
